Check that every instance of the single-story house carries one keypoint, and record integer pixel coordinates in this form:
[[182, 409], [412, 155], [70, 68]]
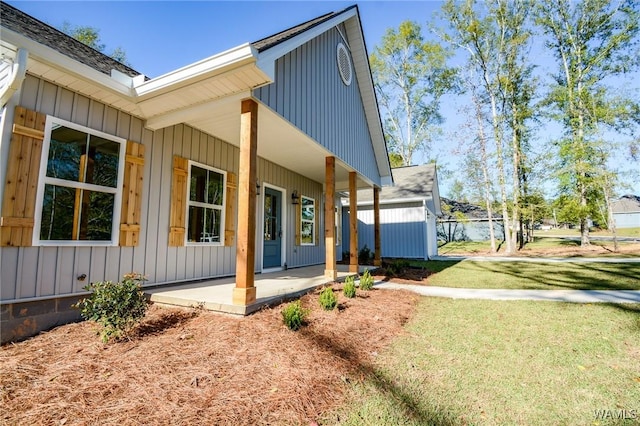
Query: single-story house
[[462, 221], [626, 211], [407, 210], [225, 167]]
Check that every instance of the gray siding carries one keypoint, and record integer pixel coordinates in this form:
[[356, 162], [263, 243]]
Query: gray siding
[[469, 231], [309, 92], [36, 272], [627, 220], [403, 230]]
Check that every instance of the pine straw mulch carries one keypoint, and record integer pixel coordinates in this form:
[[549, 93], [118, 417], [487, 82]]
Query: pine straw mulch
[[198, 367]]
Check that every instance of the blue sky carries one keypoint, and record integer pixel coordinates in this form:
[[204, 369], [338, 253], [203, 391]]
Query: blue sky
[[161, 36]]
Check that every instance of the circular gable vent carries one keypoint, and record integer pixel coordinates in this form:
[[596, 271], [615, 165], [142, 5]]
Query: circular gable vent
[[344, 64]]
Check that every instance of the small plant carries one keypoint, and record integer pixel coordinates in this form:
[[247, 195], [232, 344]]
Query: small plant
[[365, 255], [396, 267], [117, 307], [294, 315], [366, 281], [328, 300], [349, 289]]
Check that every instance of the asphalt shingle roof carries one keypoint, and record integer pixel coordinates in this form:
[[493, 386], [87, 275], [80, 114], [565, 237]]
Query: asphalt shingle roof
[[626, 204], [409, 182]]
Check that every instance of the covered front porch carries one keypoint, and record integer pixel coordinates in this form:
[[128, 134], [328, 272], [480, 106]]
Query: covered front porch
[[275, 287]]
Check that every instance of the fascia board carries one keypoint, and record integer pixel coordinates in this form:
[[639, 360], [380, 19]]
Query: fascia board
[[267, 59], [186, 114], [197, 71], [393, 201], [365, 83], [51, 57]]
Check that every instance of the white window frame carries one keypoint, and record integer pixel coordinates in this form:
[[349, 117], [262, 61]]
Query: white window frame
[[313, 222], [44, 179], [222, 208]]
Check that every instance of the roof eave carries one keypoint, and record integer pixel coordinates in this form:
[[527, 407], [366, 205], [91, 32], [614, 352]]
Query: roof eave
[[53, 58]]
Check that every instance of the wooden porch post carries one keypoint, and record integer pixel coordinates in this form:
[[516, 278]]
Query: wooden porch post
[[377, 260], [330, 218], [245, 293], [353, 223]]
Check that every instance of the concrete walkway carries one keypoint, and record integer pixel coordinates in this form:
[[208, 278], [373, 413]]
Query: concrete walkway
[[539, 259], [575, 296]]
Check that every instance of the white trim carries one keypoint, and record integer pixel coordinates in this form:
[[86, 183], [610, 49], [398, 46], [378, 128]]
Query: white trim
[[18, 73], [284, 225], [53, 58], [315, 219], [43, 179], [222, 207], [206, 68], [267, 58]]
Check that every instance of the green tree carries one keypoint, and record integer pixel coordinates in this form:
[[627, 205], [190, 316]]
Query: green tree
[[496, 40], [592, 41], [410, 76], [91, 37]]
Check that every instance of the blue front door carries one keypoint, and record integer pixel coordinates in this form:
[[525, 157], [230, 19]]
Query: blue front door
[[272, 250]]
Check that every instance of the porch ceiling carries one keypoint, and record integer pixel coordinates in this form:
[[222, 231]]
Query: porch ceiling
[[279, 141]]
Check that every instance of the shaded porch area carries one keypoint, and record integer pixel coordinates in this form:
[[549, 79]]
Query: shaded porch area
[[275, 287]]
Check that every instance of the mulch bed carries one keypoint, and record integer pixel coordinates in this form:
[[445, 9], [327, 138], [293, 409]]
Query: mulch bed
[[198, 367]]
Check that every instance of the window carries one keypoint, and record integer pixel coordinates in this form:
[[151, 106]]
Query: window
[[205, 205], [79, 192], [307, 221]]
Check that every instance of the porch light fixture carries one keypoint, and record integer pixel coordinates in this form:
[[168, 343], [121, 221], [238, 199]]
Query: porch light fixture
[[295, 198]]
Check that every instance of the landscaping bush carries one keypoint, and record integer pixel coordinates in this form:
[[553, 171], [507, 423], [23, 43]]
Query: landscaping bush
[[365, 255], [328, 300], [396, 267], [366, 281], [294, 315], [349, 289], [117, 307]]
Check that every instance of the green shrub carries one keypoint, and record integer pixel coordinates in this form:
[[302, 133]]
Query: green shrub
[[349, 289], [294, 315], [365, 255], [366, 281], [397, 266], [328, 300], [117, 307]]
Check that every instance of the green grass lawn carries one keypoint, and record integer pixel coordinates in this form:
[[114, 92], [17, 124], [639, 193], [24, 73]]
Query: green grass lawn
[[540, 243], [622, 232], [533, 275], [477, 362]]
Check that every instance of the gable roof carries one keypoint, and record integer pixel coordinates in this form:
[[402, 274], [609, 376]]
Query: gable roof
[[187, 95], [38, 31], [626, 204], [411, 183], [275, 39]]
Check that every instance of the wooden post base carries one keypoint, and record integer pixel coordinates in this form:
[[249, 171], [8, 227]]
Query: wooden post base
[[244, 296], [331, 274], [377, 262], [354, 268]]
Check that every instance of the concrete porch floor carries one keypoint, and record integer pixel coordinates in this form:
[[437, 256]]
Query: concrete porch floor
[[271, 288]]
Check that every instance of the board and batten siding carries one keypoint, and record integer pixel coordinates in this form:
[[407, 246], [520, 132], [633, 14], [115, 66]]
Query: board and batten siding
[[403, 229], [41, 272], [309, 92]]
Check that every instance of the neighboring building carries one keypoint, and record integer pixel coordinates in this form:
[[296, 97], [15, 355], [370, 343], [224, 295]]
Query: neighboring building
[[626, 211], [220, 168], [467, 222], [408, 212]]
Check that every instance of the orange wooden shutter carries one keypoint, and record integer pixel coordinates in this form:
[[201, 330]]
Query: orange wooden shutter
[[132, 195], [177, 219], [230, 209], [23, 166]]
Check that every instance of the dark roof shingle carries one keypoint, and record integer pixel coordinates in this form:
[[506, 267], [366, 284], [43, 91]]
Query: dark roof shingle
[[21, 23]]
